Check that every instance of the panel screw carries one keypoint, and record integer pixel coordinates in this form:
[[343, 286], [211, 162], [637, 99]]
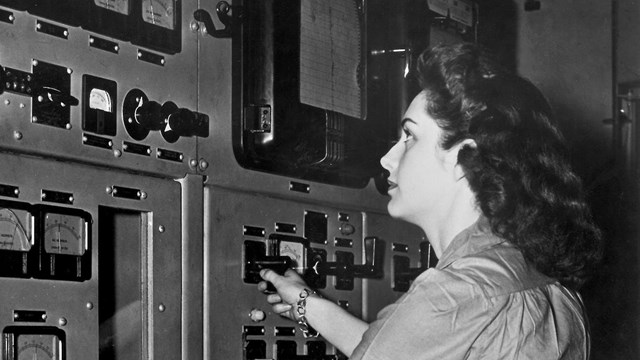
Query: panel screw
[[117, 153], [62, 321], [162, 308], [17, 135]]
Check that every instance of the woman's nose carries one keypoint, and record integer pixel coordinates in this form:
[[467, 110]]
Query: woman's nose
[[390, 159]]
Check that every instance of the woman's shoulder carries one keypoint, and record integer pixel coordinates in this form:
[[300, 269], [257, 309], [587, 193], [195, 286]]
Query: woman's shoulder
[[494, 272]]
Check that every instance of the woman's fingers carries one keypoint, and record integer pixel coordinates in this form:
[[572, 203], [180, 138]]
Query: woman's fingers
[[282, 309], [274, 299]]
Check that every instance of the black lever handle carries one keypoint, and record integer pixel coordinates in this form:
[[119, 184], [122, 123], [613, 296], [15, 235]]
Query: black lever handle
[[222, 9]]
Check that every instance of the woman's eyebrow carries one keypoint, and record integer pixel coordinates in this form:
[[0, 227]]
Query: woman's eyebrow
[[405, 120]]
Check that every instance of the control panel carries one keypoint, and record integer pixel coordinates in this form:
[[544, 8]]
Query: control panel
[[343, 253], [111, 83], [89, 260]]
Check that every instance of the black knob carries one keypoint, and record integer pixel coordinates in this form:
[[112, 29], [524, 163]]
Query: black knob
[[149, 116]]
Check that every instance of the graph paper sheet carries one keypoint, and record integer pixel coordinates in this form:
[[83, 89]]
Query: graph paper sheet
[[329, 56]]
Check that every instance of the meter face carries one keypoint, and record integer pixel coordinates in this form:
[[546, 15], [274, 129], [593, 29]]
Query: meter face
[[38, 346], [296, 251], [65, 234], [159, 12], [16, 229], [119, 6]]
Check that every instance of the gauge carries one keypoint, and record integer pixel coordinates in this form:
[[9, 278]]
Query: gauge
[[65, 234], [119, 6], [159, 12], [16, 229], [296, 251], [38, 347], [100, 100], [33, 343]]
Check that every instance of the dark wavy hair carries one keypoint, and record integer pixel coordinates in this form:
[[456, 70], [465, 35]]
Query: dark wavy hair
[[519, 169]]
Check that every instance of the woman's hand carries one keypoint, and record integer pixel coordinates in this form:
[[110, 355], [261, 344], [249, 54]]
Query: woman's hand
[[288, 289]]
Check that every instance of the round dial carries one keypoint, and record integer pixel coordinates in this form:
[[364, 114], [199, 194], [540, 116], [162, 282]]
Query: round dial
[[119, 6], [38, 347], [64, 234], [159, 12], [15, 229]]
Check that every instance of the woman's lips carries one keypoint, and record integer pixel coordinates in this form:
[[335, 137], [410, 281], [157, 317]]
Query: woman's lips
[[392, 185]]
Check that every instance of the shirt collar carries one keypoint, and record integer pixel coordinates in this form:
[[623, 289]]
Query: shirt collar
[[471, 240]]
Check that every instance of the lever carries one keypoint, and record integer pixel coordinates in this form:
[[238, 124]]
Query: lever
[[255, 259], [222, 9], [372, 268], [55, 96]]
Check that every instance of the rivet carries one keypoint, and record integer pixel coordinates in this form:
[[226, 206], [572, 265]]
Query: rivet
[[17, 135], [68, 126], [143, 195], [70, 199], [193, 163], [162, 308], [117, 153], [34, 62], [69, 71], [62, 321], [7, 102], [204, 164], [89, 305], [109, 189], [116, 48], [161, 228], [34, 119]]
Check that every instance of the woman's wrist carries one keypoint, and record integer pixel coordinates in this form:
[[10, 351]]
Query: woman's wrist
[[300, 313]]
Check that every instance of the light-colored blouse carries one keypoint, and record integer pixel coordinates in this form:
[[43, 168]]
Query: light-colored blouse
[[482, 301]]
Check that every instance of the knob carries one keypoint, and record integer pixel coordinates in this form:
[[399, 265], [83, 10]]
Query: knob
[[149, 115], [257, 315]]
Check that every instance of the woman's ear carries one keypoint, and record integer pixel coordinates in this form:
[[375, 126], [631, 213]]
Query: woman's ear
[[453, 154]]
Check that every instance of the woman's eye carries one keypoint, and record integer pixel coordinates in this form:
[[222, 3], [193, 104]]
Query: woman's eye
[[407, 136]]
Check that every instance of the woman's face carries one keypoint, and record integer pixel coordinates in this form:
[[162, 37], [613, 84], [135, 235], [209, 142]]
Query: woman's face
[[419, 176]]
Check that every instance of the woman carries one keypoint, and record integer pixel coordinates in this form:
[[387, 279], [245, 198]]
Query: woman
[[481, 168]]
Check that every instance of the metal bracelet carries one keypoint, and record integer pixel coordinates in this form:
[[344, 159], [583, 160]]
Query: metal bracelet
[[301, 309]]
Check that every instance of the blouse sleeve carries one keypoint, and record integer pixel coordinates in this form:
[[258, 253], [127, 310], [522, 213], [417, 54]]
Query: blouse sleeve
[[439, 318]]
